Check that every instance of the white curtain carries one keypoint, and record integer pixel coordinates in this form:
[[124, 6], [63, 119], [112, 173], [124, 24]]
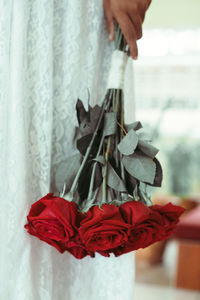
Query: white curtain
[[51, 53]]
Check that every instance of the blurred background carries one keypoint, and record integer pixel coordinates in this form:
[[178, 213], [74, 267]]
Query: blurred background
[[167, 90]]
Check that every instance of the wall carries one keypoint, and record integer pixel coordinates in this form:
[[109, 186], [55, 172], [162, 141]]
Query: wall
[[177, 14]]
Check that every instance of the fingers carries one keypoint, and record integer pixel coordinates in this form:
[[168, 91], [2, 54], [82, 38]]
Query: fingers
[[111, 28], [129, 33], [143, 6], [109, 20], [130, 16], [148, 4], [137, 22]]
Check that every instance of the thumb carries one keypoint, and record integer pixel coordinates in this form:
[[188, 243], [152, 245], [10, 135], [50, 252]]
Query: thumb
[[109, 20]]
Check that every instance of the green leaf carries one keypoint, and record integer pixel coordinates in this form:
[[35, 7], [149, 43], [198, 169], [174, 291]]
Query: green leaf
[[135, 194], [82, 114], [144, 196], [135, 126], [131, 182], [85, 128], [109, 123], [66, 172], [147, 148], [94, 115], [113, 179], [85, 178], [140, 167], [83, 143], [100, 159], [128, 143], [159, 174], [87, 120]]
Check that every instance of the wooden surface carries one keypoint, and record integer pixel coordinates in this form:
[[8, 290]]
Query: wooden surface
[[188, 265]]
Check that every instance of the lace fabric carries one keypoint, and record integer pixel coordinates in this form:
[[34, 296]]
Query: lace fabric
[[51, 53]]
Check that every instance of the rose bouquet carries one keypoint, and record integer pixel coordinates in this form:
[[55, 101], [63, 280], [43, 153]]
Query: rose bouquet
[[102, 203]]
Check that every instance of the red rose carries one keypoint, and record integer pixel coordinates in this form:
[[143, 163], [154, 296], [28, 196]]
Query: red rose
[[149, 224], [104, 229], [55, 221], [170, 215], [134, 212], [170, 211]]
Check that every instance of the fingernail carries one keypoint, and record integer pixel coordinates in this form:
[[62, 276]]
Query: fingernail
[[135, 57], [110, 37]]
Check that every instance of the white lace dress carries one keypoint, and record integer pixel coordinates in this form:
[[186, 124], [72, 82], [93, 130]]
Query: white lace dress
[[51, 53]]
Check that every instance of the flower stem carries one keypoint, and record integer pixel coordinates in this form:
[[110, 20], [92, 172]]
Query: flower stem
[[95, 164], [75, 182], [122, 128], [121, 132], [106, 171], [116, 109], [94, 169]]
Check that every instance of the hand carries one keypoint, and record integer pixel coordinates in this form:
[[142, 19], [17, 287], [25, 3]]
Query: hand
[[130, 15]]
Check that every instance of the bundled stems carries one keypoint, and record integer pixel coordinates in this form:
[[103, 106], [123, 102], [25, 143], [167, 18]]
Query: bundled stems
[[106, 164], [121, 133], [106, 170], [94, 169], [114, 100], [75, 182], [97, 155]]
